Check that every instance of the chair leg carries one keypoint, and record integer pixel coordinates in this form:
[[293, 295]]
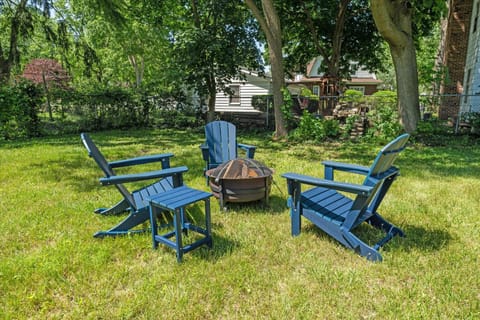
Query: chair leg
[[121, 207], [126, 226], [360, 247], [295, 220], [379, 222]]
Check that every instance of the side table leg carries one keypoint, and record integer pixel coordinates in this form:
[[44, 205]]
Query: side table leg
[[178, 233], [153, 223], [208, 222]]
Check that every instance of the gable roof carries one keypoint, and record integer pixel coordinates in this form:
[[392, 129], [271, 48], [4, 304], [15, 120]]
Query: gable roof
[[315, 64]]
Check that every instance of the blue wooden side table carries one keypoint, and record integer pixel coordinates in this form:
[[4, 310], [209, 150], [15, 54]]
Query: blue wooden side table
[[175, 201]]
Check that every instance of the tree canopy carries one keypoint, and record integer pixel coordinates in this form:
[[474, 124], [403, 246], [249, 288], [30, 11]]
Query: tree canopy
[[202, 45]]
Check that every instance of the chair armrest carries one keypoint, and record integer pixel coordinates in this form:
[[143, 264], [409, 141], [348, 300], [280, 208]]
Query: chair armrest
[[143, 176], [330, 166], [204, 149], [346, 167], [250, 150], [164, 158], [340, 186]]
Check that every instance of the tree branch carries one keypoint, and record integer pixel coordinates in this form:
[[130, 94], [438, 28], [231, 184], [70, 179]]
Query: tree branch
[[384, 12]]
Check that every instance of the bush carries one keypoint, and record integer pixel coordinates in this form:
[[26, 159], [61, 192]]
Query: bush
[[288, 117], [19, 108], [263, 103], [383, 116], [350, 122], [473, 119], [315, 129], [118, 108], [353, 96]]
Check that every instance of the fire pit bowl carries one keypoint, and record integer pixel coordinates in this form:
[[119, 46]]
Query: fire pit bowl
[[240, 180]]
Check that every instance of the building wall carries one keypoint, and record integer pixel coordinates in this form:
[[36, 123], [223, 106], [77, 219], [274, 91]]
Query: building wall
[[250, 87], [367, 88], [455, 51], [471, 100]]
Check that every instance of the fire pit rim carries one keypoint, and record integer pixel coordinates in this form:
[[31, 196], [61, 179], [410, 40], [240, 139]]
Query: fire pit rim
[[229, 189], [209, 173]]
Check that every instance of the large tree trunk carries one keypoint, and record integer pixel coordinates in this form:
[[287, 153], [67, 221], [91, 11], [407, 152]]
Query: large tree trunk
[[393, 19], [334, 63], [405, 63], [270, 24]]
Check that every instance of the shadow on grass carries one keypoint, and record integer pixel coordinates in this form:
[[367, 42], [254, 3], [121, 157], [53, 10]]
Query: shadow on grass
[[276, 205], [416, 237], [423, 239], [221, 247], [451, 159], [81, 172]]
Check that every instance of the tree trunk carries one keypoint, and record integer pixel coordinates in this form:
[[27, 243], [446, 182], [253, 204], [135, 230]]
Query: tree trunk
[[4, 70], [138, 68], [334, 63], [278, 83], [212, 97], [47, 96], [393, 19], [405, 63], [270, 24]]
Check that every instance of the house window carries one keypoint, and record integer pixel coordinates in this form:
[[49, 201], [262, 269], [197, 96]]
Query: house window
[[361, 89], [316, 90], [235, 96]]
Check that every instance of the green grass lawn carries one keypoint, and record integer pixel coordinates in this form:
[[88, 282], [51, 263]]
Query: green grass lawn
[[51, 266]]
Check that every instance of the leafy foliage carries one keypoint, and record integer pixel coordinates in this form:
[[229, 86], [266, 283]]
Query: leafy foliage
[[262, 102], [315, 129], [309, 31], [353, 96], [97, 109], [383, 116], [216, 40], [19, 107], [287, 110]]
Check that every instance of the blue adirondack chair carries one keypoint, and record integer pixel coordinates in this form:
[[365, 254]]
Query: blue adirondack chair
[[136, 202], [221, 144], [327, 206]]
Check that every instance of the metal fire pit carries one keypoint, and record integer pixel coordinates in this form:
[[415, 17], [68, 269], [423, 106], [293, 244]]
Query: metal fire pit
[[240, 180]]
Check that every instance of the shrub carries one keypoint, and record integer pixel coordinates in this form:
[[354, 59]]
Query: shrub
[[288, 117], [353, 96], [263, 103], [315, 129], [350, 122], [19, 108], [117, 108], [383, 116]]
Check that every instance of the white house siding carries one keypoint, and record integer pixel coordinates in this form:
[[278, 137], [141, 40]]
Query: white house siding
[[252, 86], [471, 89]]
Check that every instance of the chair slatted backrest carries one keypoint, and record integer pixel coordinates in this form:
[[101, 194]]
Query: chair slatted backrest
[[381, 169], [94, 153], [386, 157], [221, 141]]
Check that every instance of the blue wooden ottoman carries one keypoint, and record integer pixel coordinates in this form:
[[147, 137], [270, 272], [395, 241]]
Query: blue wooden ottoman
[[175, 201]]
